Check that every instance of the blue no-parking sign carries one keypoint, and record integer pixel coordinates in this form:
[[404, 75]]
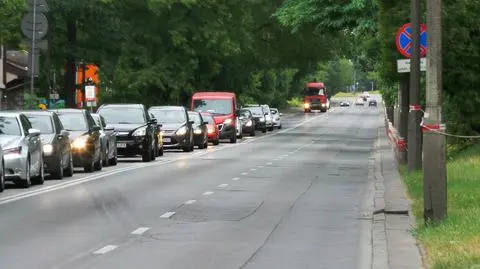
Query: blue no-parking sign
[[404, 40]]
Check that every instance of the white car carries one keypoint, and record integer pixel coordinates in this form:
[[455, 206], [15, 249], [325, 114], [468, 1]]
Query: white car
[[277, 120], [359, 102]]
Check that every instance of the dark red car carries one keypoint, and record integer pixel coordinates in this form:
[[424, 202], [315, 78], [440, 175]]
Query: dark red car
[[213, 131]]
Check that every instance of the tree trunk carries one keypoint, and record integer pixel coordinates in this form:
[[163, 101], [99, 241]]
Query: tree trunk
[[70, 72]]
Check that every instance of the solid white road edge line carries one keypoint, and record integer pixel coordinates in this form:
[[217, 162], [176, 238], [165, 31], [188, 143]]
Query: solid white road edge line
[[140, 230], [189, 202], [105, 249], [101, 175]]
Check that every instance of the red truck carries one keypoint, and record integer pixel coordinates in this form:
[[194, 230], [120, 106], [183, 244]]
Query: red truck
[[224, 109], [315, 97]]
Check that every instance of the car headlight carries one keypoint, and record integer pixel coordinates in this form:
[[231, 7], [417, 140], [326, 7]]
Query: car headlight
[[80, 143], [198, 131], [324, 104], [211, 130], [262, 119], [182, 130], [47, 149], [306, 105], [140, 131], [249, 123], [227, 121]]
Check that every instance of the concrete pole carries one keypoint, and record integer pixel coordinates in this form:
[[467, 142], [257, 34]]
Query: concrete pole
[[435, 173], [414, 143]]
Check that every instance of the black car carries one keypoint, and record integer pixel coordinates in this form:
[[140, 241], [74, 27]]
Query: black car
[[135, 130], [84, 137], [57, 152], [344, 103], [248, 121], [109, 141], [177, 130], [200, 131], [258, 114], [372, 102]]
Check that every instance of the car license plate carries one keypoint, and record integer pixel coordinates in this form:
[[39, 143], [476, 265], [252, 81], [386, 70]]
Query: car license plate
[[167, 140], [121, 145]]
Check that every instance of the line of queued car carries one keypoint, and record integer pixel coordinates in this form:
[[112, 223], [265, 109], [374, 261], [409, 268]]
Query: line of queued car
[[54, 142]]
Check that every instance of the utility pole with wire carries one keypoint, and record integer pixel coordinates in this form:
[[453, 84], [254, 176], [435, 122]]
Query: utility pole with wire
[[434, 149], [414, 141]]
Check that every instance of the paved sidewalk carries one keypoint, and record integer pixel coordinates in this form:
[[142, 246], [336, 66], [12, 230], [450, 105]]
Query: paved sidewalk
[[394, 247]]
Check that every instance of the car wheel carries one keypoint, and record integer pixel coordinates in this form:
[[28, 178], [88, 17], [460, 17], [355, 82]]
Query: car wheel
[[40, 179], [58, 174], [216, 142], [264, 130], [233, 139], [27, 182], [105, 157], [280, 126], [114, 160], [205, 144], [69, 171], [2, 177], [201, 146], [98, 165], [88, 168], [270, 128], [160, 151], [147, 155]]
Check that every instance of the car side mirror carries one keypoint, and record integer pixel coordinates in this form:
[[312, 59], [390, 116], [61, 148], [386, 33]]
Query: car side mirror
[[33, 132], [191, 122], [266, 113], [64, 133], [152, 121], [96, 128], [237, 112], [109, 128]]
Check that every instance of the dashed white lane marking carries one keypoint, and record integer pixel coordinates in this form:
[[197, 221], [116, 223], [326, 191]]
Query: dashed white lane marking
[[269, 163], [253, 169], [244, 174], [167, 215], [260, 166], [223, 185], [189, 202], [286, 155], [208, 193], [105, 249], [235, 178], [276, 159], [140, 230]]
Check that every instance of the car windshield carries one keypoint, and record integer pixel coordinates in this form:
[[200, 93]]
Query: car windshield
[[169, 115], [73, 121], [216, 107], [9, 126], [194, 117], [314, 91], [42, 123], [209, 119], [123, 115], [256, 110]]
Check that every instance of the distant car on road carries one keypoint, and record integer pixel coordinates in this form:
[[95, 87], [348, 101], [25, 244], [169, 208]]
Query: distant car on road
[[176, 125], [84, 137], [258, 113], [109, 141], [57, 151], [344, 103], [248, 122], [22, 149], [200, 131], [213, 132], [372, 102], [360, 102], [136, 131], [276, 115]]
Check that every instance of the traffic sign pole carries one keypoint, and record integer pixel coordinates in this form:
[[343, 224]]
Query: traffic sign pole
[[414, 142], [32, 53]]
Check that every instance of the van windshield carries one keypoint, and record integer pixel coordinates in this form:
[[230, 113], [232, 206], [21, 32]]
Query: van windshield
[[215, 107]]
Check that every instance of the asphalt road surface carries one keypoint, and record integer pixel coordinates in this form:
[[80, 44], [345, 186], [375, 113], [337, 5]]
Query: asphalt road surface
[[293, 198]]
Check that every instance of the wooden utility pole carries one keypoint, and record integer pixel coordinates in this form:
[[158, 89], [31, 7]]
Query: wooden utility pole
[[414, 141], [435, 174]]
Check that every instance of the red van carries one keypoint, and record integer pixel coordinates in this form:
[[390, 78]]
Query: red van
[[223, 107]]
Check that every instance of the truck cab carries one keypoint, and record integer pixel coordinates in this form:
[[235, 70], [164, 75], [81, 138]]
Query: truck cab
[[315, 97], [223, 107]]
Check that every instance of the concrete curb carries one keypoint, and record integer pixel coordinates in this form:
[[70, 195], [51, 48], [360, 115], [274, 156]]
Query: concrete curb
[[393, 244]]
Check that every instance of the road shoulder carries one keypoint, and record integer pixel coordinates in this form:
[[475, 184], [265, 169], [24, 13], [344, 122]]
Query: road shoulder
[[393, 244]]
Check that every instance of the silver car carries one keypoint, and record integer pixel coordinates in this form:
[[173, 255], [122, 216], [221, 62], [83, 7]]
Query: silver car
[[22, 149], [268, 117], [108, 140], [277, 120]]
